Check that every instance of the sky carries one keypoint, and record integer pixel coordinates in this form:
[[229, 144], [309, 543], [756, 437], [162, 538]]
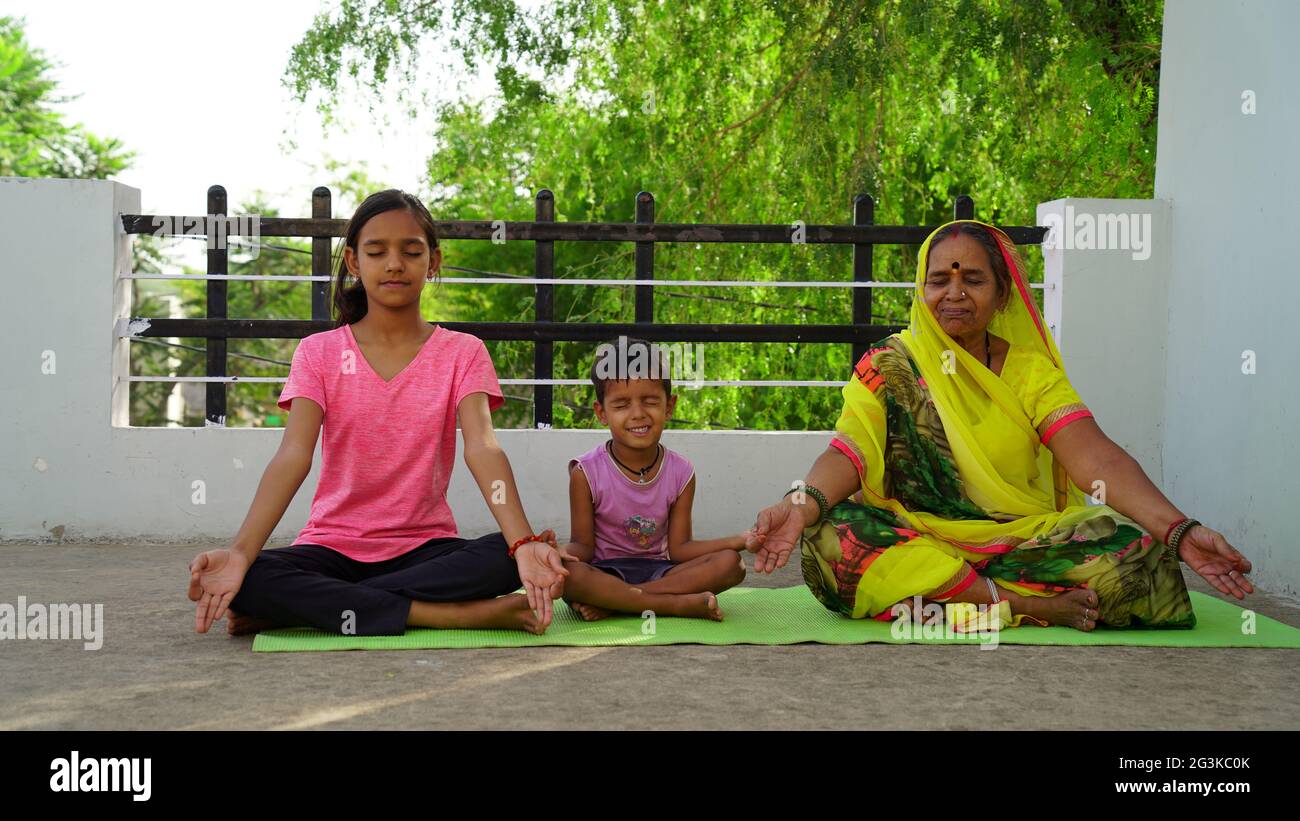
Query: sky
[[180, 59]]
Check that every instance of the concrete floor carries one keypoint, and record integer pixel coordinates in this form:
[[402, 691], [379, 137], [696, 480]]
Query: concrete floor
[[154, 672]]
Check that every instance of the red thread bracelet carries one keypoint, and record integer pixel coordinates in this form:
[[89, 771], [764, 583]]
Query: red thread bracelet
[[532, 537]]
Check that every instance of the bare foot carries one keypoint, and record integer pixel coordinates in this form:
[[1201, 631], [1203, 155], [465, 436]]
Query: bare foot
[[588, 612], [504, 613], [697, 606], [1076, 608], [239, 625]]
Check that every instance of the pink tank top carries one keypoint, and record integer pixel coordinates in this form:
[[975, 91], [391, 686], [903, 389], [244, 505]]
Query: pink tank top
[[632, 519]]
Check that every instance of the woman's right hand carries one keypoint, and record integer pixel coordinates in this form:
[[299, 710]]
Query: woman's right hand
[[775, 535], [215, 577]]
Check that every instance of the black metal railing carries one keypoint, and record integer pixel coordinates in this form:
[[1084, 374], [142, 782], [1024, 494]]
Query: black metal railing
[[863, 234]]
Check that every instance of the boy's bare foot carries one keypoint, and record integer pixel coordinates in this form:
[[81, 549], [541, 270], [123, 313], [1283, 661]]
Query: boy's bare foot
[[697, 606], [588, 612], [240, 625], [1076, 608]]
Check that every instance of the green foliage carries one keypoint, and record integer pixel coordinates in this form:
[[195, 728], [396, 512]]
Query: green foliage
[[34, 139], [751, 113], [247, 404]]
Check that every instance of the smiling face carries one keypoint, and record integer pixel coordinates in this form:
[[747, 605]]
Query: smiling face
[[392, 258], [635, 411], [961, 289]]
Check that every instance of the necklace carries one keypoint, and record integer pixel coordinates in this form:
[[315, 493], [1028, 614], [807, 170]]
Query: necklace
[[609, 446], [988, 351]]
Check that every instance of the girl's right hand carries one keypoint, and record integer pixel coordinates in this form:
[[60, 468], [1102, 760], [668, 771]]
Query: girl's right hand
[[542, 572], [215, 577]]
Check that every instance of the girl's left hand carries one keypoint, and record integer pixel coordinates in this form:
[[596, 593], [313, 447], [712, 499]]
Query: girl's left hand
[[1209, 554], [542, 572]]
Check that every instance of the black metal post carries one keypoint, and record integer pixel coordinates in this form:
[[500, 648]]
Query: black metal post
[[864, 213], [218, 259], [320, 255], [645, 260], [544, 351]]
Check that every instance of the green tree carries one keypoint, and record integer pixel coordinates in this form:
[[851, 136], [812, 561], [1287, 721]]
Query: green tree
[[248, 404], [35, 140], [751, 112]]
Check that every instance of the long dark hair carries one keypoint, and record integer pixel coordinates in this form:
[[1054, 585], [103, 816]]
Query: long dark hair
[[986, 240], [350, 300]]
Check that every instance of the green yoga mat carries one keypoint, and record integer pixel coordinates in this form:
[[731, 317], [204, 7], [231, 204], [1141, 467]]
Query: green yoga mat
[[787, 615]]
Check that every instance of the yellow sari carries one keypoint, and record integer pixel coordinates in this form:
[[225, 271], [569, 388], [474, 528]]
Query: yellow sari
[[957, 481]]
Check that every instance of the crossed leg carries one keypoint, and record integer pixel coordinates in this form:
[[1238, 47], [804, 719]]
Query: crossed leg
[[460, 585], [1073, 608], [446, 583], [690, 586]]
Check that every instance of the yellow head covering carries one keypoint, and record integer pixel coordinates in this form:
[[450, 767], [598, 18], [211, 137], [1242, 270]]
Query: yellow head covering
[[984, 421]]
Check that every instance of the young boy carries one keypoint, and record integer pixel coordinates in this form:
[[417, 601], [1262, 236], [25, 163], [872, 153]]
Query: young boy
[[630, 499]]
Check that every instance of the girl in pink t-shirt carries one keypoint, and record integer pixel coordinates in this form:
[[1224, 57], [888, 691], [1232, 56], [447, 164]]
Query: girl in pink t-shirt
[[380, 549]]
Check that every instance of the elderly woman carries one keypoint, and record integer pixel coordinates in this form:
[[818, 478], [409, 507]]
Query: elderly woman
[[965, 448]]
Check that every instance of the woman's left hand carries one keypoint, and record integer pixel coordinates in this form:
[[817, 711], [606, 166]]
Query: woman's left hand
[[1209, 554], [542, 572]]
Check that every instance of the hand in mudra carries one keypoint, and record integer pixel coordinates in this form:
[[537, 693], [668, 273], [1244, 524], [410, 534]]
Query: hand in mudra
[[542, 572], [215, 578], [1209, 554], [775, 535]]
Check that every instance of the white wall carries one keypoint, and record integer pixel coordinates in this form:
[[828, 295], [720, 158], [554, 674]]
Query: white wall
[[67, 470], [1106, 307], [1231, 449]]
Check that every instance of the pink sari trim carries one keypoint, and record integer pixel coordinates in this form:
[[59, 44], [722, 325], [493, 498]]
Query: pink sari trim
[[1024, 294], [1062, 422], [848, 451]]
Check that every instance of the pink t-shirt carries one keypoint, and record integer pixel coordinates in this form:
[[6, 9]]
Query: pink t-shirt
[[388, 448]]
